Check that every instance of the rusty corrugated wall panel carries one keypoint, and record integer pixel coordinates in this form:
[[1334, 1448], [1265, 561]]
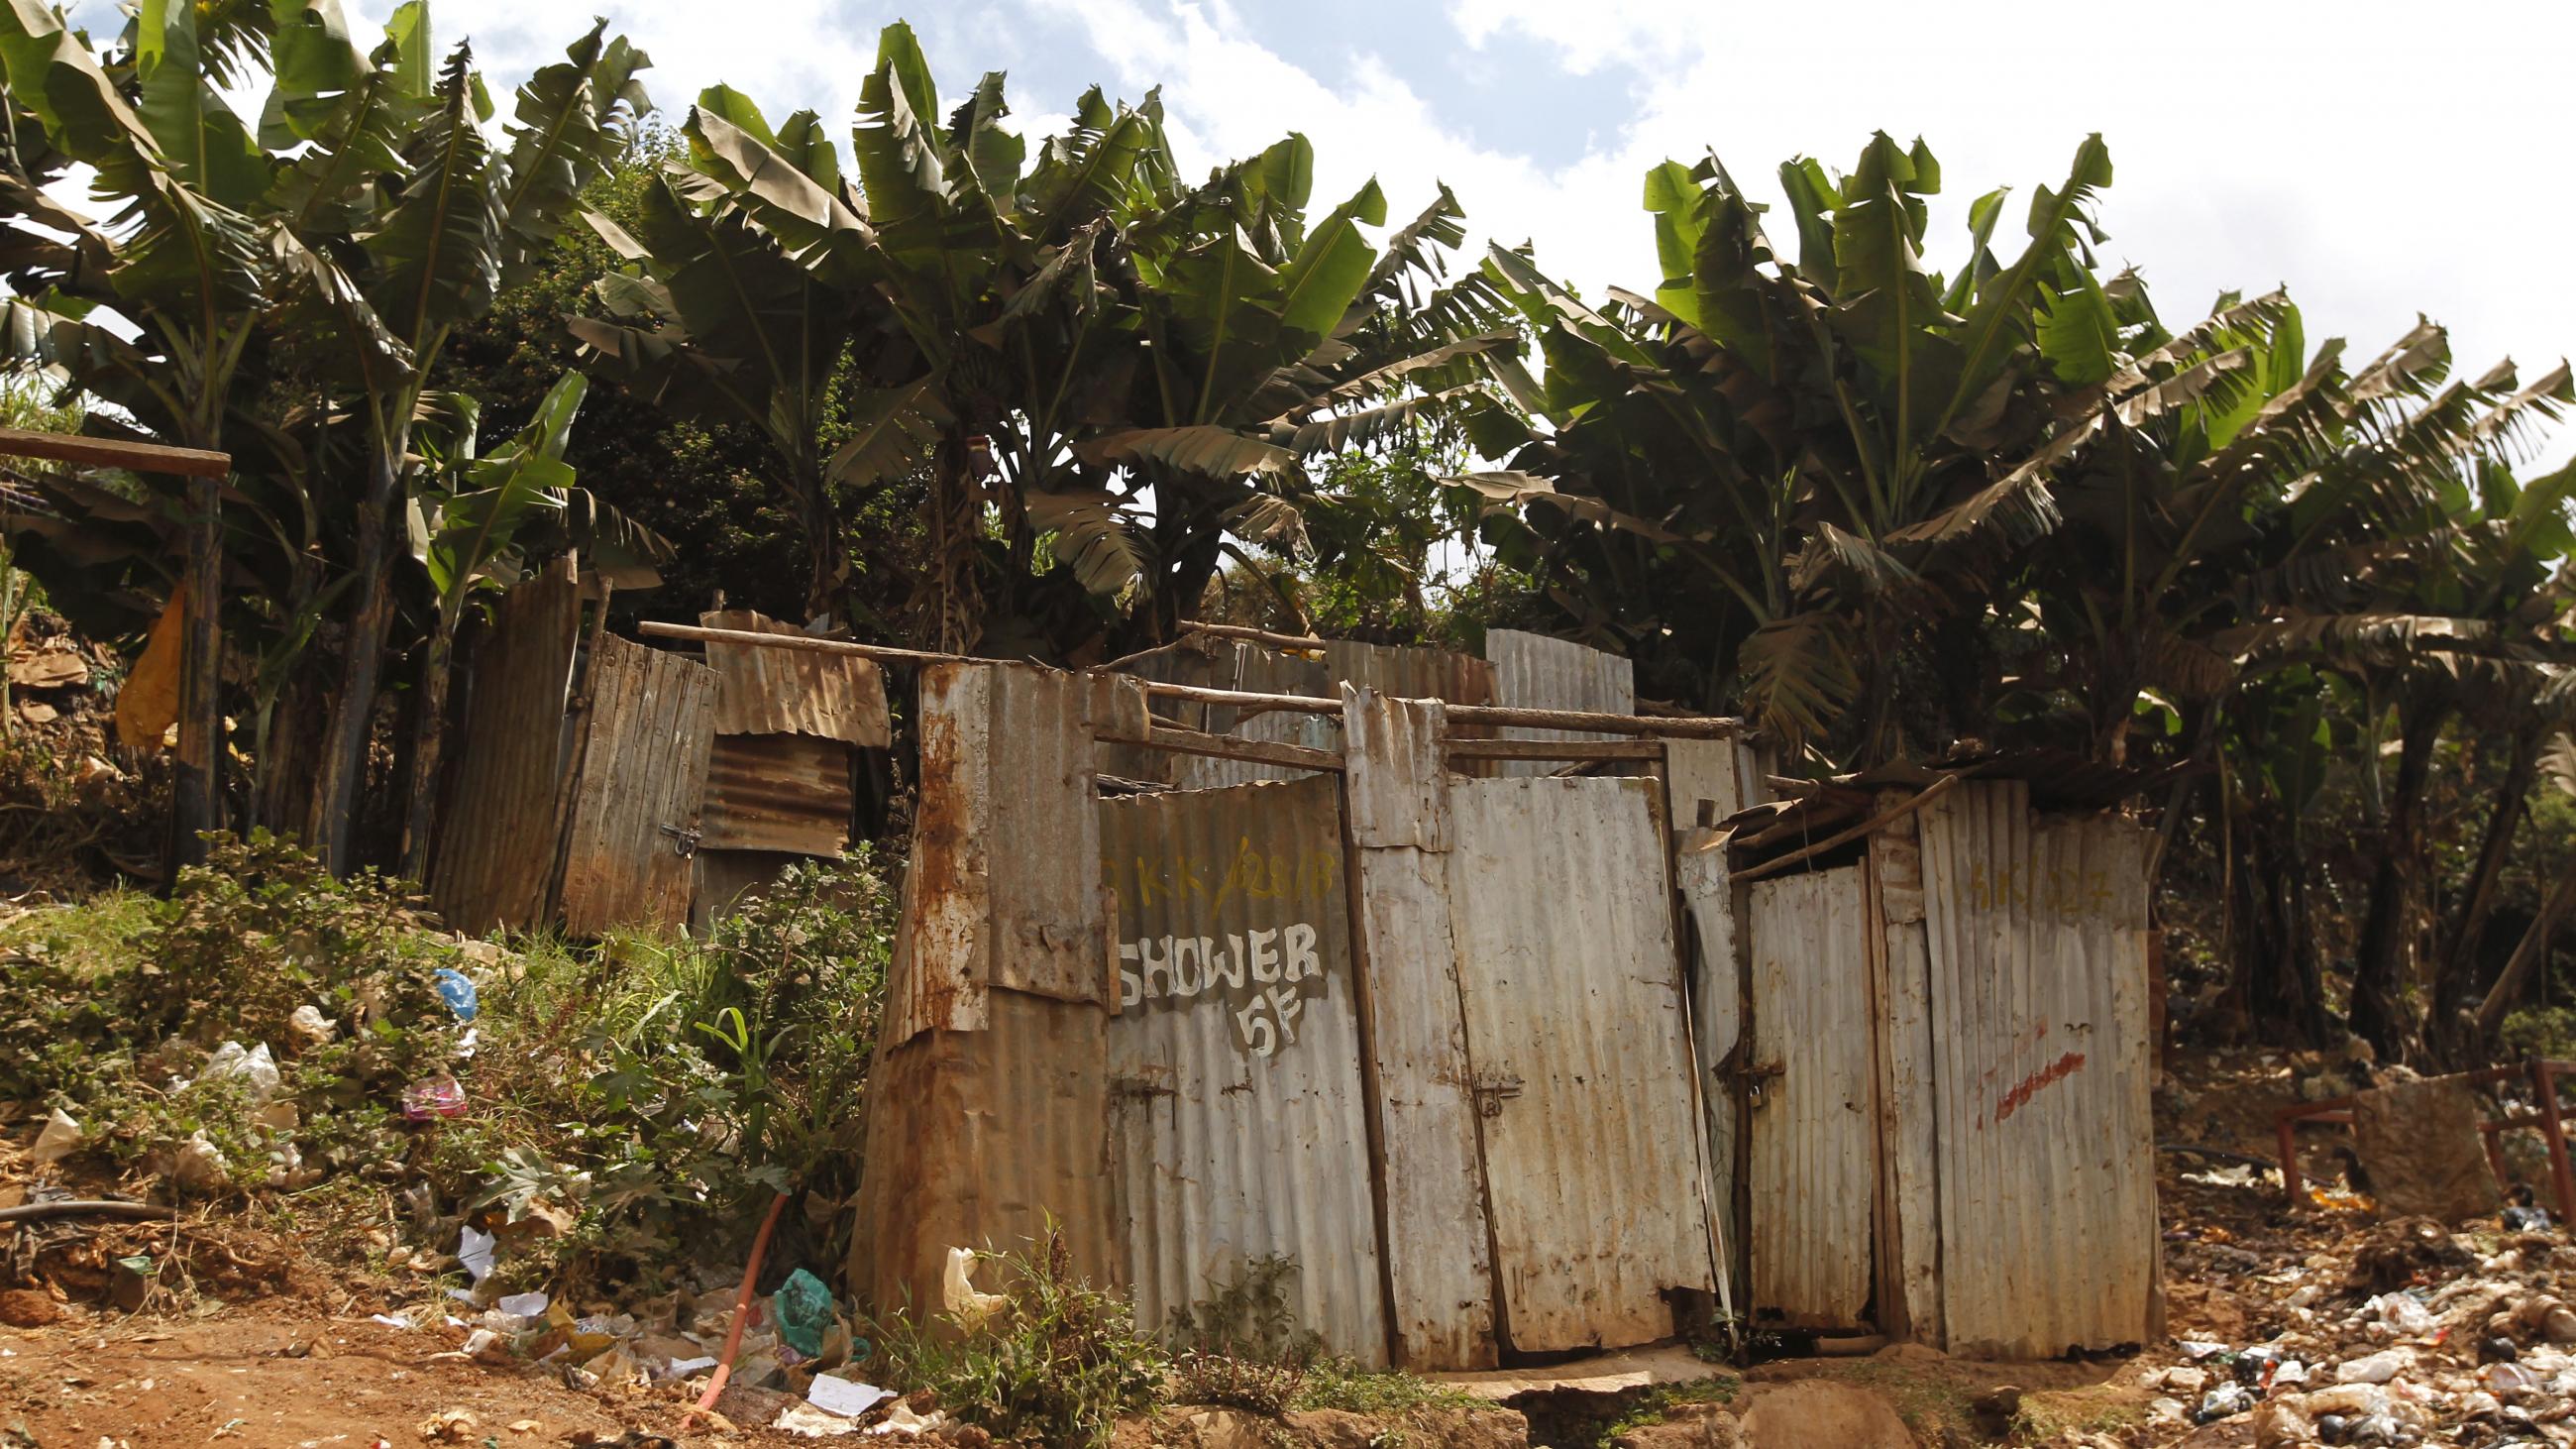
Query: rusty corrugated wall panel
[[1716, 985], [777, 792], [1237, 1108], [794, 691], [635, 810], [1003, 888], [1440, 1268], [497, 831], [976, 1139], [1534, 671], [1909, 1258], [2038, 962], [1260, 670], [1411, 673], [1563, 922], [1812, 1165]]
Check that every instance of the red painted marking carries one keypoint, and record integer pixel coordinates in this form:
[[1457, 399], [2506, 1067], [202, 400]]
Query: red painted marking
[[2030, 1086]]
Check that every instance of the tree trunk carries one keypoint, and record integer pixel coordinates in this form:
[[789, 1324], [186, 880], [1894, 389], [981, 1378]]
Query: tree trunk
[[344, 746], [196, 785], [827, 566], [2280, 983], [429, 732], [2388, 928], [2528, 956], [2455, 981]]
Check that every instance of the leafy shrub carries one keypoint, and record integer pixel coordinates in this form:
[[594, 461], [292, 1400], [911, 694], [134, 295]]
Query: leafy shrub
[[1058, 1365], [1242, 1346]]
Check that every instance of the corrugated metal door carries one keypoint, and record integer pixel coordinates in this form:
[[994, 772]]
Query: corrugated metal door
[[498, 832], [1806, 1074], [1240, 1124], [2038, 965], [1575, 1028], [643, 780]]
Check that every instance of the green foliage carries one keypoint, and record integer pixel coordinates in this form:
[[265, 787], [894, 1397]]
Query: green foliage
[[1057, 1365], [1658, 1404], [645, 1096]]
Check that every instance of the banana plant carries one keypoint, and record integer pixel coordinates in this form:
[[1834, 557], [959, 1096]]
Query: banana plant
[[474, 529], [1044, 343]]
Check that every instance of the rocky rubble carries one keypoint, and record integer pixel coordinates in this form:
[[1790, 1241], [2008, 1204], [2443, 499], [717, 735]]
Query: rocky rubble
[[2394, 1333]]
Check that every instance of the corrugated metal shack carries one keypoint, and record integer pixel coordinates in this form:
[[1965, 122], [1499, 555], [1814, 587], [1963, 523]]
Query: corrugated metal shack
[[1506, 1063]]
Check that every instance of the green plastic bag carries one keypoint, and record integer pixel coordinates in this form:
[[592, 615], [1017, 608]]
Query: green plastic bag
[[804, 1309]]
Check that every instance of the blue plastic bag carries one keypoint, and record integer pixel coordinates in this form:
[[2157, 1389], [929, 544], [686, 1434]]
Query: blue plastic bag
[[457, 991]]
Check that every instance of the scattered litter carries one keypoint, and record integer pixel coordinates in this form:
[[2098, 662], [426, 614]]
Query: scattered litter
[[902, 1420], [523, 1305], [2376, 1368], [804, 1309], [2223, 1402], [683, 1367], [970, 1308], [843, 1396], [308, 1022], [808, 1422], [449, 1426], [254, 1066], [2519, 1219], [391, 1320], [62, 1133], [457, 990], [2196, 1349], [474, 1254], [438, 1096]]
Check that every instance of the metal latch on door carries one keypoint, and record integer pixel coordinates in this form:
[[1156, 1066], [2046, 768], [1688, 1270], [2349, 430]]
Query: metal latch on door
[[684, 842], [1492, 1089], [1745, 1077]]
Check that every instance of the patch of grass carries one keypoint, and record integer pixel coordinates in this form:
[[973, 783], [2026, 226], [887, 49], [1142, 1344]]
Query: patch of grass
[[1379, 1393], [1658, 1404], [1057, 1365], [2100, 1409]]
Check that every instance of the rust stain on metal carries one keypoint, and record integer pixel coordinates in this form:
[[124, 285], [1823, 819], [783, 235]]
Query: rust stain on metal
[[778, 792], [1245, 1134], [793, 691], [497, 829], [635, 811], [1563, 921], [942, 964]]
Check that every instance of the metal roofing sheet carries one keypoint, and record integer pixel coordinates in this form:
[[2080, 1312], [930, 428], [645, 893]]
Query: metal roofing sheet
[[635, 807], [1811, 1168], [2038, 966], [793, 691], [777, 792], [1240, 1119], [1572, 997], [1001, 889], [1534, 671], [980, 1139], [1407, 672]]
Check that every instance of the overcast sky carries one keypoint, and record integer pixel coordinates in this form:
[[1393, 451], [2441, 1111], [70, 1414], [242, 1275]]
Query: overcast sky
[[2381, 158]]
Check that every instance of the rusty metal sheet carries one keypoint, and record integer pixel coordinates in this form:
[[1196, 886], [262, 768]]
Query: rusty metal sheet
[[1715, 984], [1440, 1269], [1002, 888], [1405, 672], [977, 1139], [777, 792], [635, 809], [1398, 779], [1572, 997], [2038, 969], [1909, 1256], [497, 830], [1812, 1165], [793, 691], [1239, 1118], [1534, 671]]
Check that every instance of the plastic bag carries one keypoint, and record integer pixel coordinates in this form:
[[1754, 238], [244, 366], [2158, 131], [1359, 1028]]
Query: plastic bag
[[804, 1310]]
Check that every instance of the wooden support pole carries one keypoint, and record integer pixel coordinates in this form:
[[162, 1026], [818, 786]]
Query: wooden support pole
[[1580, 750], [113, 453], [1704, 727], [1778, 863], [1230, 747], [1257, 636]]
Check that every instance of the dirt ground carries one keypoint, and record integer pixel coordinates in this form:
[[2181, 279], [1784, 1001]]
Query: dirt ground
[[266, 1349]]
